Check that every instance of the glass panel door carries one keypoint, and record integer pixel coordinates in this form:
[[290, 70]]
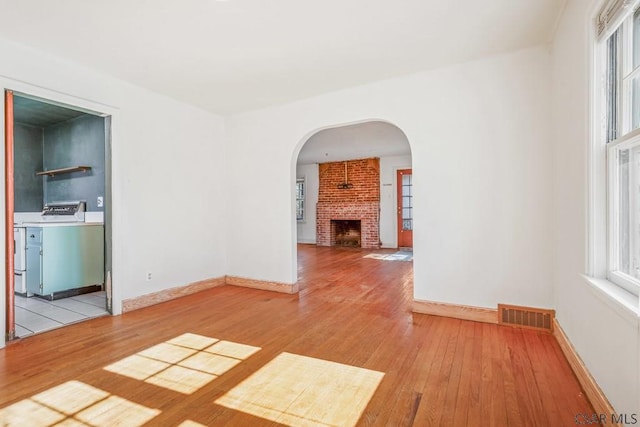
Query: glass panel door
[[405, 208]]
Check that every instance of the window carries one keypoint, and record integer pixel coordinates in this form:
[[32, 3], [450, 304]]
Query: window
[[300, 199], [618, 106]]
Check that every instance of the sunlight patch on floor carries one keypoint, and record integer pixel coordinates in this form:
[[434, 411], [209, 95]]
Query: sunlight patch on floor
[[117, 411], [190, 423], [397, 256], [303, 391], [183, 364], [75, 404]]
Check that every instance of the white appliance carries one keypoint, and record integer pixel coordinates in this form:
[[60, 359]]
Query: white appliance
[[20, 260], [64, 212], [52, 213]]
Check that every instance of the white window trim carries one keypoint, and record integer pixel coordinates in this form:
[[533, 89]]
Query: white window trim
[[599, 216], [597, 167], [613, 273], [622, 302], [611, 15], [304, 199]]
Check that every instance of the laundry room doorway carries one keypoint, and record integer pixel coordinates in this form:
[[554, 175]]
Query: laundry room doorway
[[58, 214]]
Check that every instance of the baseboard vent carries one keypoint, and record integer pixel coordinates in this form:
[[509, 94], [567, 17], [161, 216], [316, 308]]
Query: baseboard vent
[[526, 317]]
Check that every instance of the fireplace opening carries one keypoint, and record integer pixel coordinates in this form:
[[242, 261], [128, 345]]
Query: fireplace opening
[[345, 233]]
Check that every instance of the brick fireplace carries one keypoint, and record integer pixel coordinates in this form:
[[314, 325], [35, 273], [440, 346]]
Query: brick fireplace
[[346, 232], [349, 191]]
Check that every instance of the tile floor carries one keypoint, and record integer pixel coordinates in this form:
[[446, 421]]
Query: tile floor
[[35, 315]]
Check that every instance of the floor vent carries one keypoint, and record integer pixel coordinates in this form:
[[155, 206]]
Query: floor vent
[[526, 317]]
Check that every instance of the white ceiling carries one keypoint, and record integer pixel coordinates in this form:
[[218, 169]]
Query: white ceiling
[[235, 55], [359, 141]]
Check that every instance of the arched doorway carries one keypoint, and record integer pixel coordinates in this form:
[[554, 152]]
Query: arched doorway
[[353, 189]]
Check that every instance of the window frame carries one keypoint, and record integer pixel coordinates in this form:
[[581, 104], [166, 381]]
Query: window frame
[[614, 273], [605, 189], [301, 200]]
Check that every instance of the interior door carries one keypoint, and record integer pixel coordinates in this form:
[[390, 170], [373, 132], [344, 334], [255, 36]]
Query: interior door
[[404, 183]]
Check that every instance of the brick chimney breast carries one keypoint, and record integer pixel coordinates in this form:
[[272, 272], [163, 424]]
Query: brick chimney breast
[[349, 190]]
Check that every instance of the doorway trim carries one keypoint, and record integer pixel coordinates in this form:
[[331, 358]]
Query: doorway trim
[[9, 331], [92, 107]]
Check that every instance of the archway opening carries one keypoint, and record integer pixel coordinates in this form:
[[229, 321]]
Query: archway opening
[[354, 202]]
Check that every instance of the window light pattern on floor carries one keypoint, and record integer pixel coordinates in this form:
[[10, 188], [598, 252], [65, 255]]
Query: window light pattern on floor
[[183, 364], [190, 423], [75, 404], [303, 391], [397, 256]]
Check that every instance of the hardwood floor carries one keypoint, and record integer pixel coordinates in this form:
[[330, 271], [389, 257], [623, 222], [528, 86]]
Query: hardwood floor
[[351, 310]]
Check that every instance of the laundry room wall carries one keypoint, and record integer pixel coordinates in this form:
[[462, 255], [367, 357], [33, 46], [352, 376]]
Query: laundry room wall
[[76, 142], [27, 159]]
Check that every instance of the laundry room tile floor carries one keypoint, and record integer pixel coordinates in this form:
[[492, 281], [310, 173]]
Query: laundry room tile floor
[[35, 315]]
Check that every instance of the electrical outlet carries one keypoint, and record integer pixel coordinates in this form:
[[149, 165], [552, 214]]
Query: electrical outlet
[[148, 276], [100, 201]]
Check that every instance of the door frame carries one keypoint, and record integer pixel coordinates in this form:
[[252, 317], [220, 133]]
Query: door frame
[[112, 116], [10, 244], [399, 229]]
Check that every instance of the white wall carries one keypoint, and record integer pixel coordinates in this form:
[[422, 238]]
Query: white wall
[[307, 227], [605, 335], [480, 139], [388, 200], [163, 151]]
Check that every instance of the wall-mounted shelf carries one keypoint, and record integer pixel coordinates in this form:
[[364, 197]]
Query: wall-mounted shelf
[[54, 172]]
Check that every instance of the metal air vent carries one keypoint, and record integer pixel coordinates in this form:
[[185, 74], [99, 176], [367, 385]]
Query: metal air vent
[[526, 317]]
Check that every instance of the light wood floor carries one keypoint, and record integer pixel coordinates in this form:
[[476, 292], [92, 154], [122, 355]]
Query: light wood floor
[[422, 370]]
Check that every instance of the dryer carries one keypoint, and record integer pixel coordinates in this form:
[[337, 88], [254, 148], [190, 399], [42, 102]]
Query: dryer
[[20, 260]]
